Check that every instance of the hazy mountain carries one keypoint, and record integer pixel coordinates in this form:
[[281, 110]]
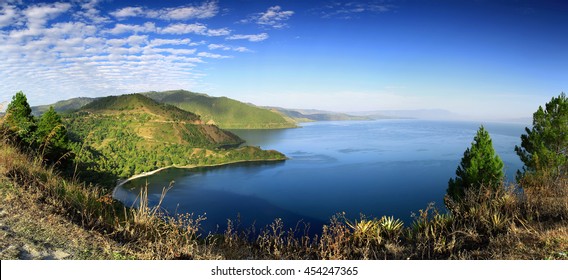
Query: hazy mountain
[[310, 115], [63, 106]]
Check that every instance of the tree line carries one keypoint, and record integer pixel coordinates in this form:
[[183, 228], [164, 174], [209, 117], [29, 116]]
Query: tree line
[[45, 135]]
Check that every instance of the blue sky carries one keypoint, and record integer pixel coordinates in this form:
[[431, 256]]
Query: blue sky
[[484, 59]]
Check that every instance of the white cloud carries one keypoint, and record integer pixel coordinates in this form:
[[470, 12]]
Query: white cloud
[[78, 48], [161, 42], [212, 55], [218, 46], [205, 10], [128, 12], [90, 12], [241, 49], [120, 28], [218, 32], [273, 17], [182, 28], [38, 15], [7, 14], [174, 51], [349, 10], [134, 40], [195, 28], [252, 38], [227, 48]]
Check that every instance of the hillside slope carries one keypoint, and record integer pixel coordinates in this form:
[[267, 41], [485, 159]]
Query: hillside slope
[[63, 106], [222, 111], [130, 134]]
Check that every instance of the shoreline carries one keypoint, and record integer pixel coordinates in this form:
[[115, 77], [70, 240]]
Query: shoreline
[[193, 166]]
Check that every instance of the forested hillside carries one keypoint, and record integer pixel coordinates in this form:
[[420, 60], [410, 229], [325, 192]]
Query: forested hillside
[[223, 111], [129, 134]]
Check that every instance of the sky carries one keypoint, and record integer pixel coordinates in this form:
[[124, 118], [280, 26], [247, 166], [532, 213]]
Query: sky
[[486, 59]]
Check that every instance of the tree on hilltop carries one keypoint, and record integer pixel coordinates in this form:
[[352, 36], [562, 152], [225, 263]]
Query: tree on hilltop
[[480, 166]]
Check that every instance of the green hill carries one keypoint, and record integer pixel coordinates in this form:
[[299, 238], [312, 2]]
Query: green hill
[[63, 106], [222, 111], [129, 134]]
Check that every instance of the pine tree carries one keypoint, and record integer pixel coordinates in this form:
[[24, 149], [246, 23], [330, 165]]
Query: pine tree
[[19, 119], [51, 136], [544, 149], [480, 166]]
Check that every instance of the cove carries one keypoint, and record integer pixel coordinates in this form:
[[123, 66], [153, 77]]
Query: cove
[[383, 167]]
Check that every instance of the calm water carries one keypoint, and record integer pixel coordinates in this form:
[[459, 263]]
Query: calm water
[[386, 167]]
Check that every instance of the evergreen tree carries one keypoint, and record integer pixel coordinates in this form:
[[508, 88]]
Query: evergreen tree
[[19, 118], [51, 136], [544, 149], [480, 166]]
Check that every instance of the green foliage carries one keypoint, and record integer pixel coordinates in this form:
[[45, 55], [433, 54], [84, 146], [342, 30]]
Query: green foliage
[[51, 136], [120, 136], [222, 111], [19, 119], [46, 137], [480, 166], [137, 101], [544, 149]]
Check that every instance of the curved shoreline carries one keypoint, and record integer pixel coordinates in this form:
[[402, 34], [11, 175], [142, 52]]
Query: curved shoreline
[[145, 174]]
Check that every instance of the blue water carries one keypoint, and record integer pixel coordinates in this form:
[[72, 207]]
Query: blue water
[[384, 167]]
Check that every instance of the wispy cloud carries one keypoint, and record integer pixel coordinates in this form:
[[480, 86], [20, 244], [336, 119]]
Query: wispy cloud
[[128, 12], [251, 38], [120, 28], [206, 10], [274, 17], [349, 10], [227, 48], [38, 15], [90, 12], [77, 48], [7, 14], [195, 28], [212, 55]]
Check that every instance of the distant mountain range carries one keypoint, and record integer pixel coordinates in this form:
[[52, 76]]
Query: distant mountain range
[[228, 113], [224, 112], [311, 115]]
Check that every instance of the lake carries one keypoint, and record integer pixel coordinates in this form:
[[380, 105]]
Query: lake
[[383, 167]]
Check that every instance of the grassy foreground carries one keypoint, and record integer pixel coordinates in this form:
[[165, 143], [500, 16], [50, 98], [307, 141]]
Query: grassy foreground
[[46, 216]]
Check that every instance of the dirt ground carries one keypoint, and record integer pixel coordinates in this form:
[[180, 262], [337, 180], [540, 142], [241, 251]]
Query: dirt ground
[[35, 231]]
